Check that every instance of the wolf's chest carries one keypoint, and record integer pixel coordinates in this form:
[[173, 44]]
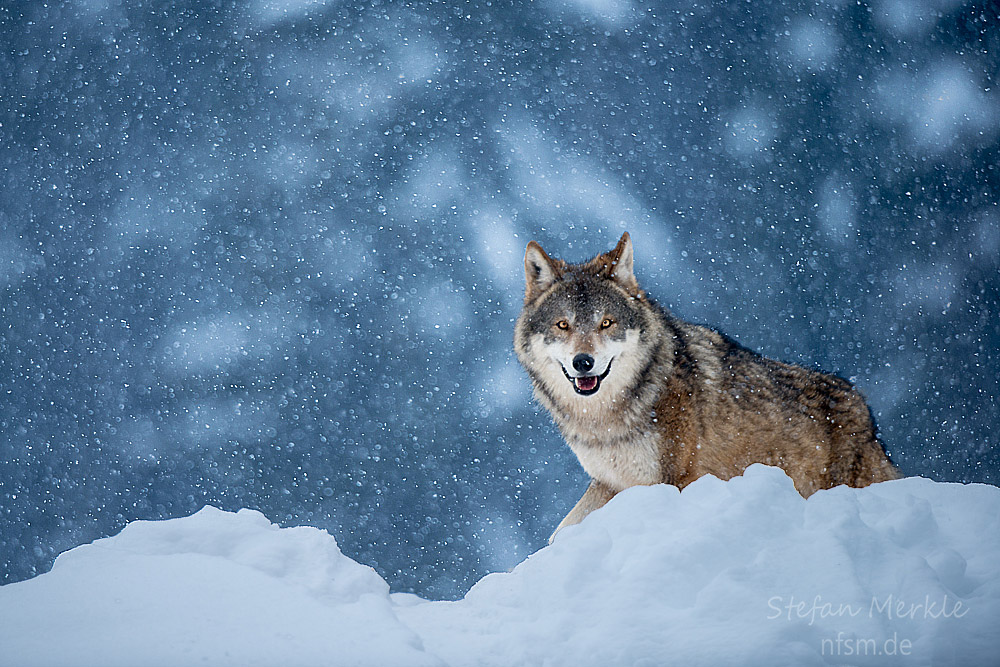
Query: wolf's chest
[[620, 463]]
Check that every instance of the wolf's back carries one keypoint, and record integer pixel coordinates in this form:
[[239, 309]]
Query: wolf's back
[[753, 409]]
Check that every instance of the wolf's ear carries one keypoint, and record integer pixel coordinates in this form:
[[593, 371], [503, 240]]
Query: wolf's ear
[[620, 264], [540, 271]]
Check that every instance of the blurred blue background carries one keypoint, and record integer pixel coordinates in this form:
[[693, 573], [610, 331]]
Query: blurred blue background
[[269, 254]]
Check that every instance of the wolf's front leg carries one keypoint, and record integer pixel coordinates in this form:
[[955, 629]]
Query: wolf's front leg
[[595, 497]]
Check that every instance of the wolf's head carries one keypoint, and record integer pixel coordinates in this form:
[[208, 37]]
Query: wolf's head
[[583, 335]]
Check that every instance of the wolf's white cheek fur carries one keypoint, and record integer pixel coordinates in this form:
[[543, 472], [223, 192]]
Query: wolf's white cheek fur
[[628, 363], [543, 362], [562, 352]]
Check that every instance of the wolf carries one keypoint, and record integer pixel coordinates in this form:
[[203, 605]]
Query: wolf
[[643, 397]]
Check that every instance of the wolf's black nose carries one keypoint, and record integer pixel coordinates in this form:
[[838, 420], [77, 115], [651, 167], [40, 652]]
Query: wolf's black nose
[[583, 363]]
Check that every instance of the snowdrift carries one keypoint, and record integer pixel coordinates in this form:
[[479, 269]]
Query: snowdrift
[[744, 572]]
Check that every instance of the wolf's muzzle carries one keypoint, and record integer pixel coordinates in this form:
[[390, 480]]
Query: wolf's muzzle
[[585, 385]]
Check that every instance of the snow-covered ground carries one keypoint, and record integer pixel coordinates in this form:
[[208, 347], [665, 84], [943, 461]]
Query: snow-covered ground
[[738, 572]]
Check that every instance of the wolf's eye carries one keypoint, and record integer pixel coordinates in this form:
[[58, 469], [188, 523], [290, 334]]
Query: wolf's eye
[[607, 322], [562, 324]]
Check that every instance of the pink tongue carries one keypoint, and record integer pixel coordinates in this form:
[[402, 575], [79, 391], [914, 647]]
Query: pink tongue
[[587, 383]]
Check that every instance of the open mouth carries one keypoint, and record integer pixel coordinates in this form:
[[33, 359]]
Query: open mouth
[[585, 385]]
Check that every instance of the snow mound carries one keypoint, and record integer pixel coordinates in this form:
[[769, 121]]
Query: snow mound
[[747, 572], [738, 572], [215, 588]]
